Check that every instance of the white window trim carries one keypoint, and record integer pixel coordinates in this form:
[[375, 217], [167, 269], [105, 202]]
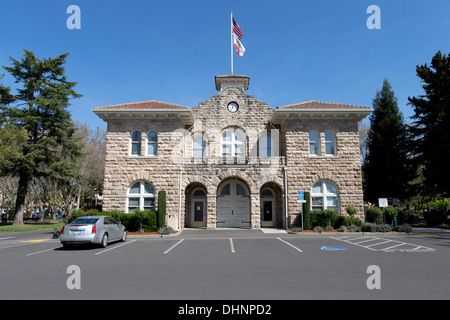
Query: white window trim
[[318, 153], [141, 195], [233, 143], [147, 143], [328, 141], [132, 142], [325, 194]]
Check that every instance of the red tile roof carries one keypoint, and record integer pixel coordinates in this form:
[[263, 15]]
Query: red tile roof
[[144, 105], [320, 105]]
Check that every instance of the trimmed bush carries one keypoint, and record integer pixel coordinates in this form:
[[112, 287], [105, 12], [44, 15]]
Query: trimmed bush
[[374, 215], [161, 218], [307, 212], [329, 217]]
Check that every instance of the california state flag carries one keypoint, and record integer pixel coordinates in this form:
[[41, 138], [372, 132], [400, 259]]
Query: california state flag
[[238, 45]]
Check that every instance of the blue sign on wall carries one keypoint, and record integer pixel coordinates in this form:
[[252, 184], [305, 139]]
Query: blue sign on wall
[[301, 195]]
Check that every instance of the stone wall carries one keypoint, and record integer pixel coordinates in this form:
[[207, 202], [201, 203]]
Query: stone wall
[[343, 169]]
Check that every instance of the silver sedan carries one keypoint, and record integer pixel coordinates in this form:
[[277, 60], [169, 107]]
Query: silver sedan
[[95, 230]]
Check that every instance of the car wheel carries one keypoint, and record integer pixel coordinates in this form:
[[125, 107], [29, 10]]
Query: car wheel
[[124, 236], [104, 242]]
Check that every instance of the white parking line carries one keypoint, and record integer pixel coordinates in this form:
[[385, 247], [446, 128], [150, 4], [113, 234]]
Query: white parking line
[[42, 251], [397, 245], [232, 246], [290, 245], [168, 250], [120, 245], [7, 238]]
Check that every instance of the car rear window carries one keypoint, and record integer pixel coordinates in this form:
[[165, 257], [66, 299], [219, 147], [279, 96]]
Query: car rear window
[[85, 221]]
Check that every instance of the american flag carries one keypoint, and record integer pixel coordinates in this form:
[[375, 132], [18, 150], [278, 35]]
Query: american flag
[[236, 30]]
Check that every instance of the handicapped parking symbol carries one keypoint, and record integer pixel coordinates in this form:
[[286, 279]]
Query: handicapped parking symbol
[[328, 248]]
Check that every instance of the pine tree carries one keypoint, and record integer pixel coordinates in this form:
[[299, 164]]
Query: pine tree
[[387, 169], [431, 126], [40, 108]]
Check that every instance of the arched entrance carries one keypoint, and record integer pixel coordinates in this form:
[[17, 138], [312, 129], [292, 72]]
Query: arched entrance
[[271, 205], [196, 204], [233, 204], [267, 208]]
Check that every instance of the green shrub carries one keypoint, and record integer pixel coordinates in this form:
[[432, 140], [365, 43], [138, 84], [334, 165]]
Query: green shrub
[[329, 217], [374, 215], [307, 211], [351, 211], [146, 219], [354, 227], [166, 230], [131, 221], [405, 228], [375, 227], [92, 212], [161, 220], [408, 216], [389, 214]]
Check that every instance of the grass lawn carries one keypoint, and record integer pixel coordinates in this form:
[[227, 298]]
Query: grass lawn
[[5, 228]]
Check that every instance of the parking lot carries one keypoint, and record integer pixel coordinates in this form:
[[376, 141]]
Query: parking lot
[[229, 264]]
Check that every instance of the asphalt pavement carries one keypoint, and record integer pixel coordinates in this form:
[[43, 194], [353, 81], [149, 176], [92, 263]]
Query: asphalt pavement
[[230, 265]]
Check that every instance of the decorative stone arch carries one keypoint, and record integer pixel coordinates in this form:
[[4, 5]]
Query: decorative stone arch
[[274, 203], [196, 204], [322, 175], [241, 175]]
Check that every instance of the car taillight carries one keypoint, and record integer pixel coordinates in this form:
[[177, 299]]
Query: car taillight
[[94, 229], [62, 230]]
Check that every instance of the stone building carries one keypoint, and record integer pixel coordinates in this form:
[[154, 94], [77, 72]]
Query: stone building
[[232, 161]]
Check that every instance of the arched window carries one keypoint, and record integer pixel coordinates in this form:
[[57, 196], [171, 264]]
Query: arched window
[[198, 147], [324, 196], [330, 143], [152, 143], [233, 147], [141, 195], [136, 139], [314, 145]]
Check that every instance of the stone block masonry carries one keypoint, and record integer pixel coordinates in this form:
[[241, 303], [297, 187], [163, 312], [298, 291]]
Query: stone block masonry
[[238, 169]]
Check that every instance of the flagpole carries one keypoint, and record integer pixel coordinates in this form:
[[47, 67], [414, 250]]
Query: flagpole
[[231, 31]]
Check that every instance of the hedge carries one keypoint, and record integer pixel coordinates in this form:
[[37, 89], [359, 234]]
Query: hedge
[[131, 221], [329, 217]]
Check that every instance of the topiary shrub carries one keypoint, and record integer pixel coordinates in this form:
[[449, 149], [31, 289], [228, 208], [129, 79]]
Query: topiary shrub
[[307, 211], [161, 218]]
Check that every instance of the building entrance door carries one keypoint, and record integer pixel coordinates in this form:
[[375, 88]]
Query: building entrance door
[[267, 208], [233, 205]]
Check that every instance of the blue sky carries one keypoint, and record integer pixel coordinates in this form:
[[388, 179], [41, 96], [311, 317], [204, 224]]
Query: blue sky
[[170, 50]]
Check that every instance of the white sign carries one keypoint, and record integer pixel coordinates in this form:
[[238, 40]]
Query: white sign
[[382, 202]]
